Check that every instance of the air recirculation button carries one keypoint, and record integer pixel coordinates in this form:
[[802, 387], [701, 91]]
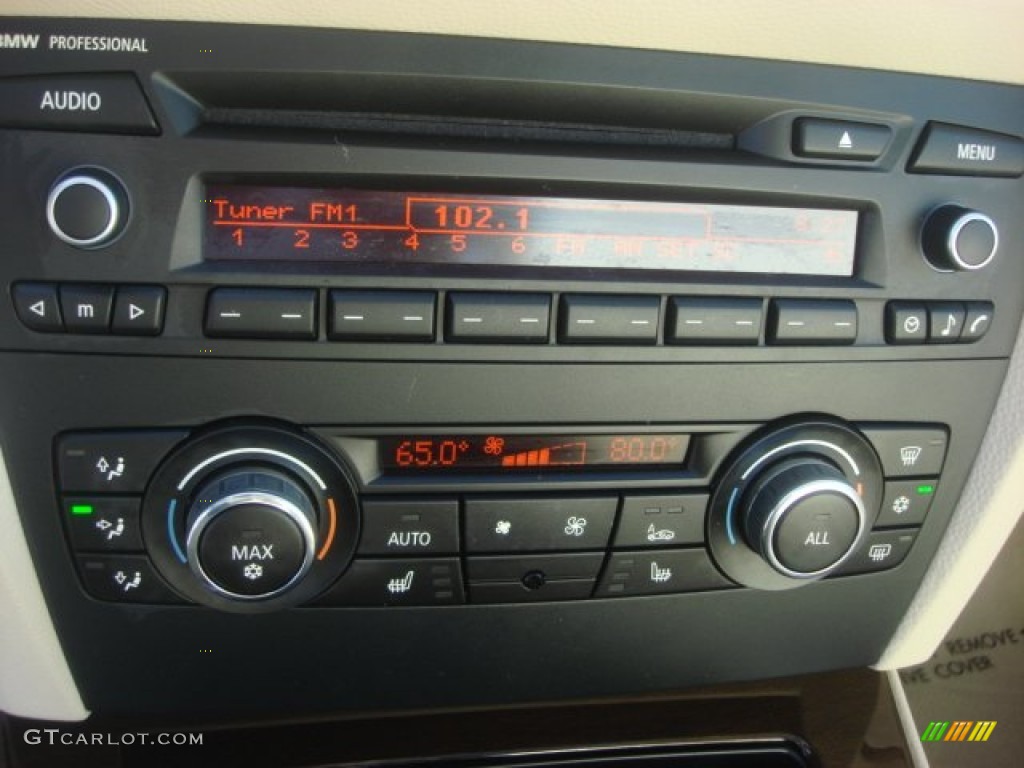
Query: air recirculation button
[[251, 533]]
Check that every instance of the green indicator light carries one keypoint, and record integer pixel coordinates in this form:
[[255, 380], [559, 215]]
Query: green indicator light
[[81, 509], [926, 490]]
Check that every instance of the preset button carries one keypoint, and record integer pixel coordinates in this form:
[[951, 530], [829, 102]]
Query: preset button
[[517, 318], [374, 315], [597, 319], [262, 313]]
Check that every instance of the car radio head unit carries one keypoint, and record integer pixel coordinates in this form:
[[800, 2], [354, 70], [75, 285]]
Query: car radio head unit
[[428, 372]]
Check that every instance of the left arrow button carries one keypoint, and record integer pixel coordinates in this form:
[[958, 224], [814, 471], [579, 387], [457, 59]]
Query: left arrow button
[[37, 306]]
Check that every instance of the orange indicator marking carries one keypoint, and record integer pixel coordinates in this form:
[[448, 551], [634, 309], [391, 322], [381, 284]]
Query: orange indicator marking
[[330, 530]]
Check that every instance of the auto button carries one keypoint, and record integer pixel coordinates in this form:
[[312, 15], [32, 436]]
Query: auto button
[[410, 527]]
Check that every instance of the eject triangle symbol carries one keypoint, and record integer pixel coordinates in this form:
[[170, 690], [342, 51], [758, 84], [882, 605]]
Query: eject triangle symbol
[[845, 142]]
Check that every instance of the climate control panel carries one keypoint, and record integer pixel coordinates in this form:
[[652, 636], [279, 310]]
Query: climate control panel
[[254, 516]]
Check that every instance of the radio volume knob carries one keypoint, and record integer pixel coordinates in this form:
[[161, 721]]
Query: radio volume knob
[[87, 208], [803, 517], [957, 239]]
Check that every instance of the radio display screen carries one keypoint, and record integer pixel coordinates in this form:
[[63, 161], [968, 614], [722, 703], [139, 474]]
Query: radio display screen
[[361, 226], [499, 452]]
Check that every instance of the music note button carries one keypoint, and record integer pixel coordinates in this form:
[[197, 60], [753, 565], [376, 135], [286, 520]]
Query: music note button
[[946, 321]]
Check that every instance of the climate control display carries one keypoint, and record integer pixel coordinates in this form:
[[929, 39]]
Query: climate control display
[[503, 452]]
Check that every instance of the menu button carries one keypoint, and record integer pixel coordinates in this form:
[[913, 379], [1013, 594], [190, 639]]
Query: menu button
[[959, 151]]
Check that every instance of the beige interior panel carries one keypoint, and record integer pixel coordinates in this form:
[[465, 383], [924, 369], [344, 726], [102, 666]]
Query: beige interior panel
[[34, 676], [977, 39]]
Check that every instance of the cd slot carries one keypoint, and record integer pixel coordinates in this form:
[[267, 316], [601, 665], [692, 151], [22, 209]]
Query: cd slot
[[448, 108]]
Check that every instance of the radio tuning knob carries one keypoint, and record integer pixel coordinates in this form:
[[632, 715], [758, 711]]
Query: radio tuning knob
[[803, 517], [251, 534], [87, 208], [957, 239]]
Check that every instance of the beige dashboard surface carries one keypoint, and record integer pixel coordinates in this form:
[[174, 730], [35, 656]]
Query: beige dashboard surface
[[976, 39]]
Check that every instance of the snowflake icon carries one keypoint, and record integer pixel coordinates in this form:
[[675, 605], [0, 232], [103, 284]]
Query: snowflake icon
[[252, 571], [900, 505]]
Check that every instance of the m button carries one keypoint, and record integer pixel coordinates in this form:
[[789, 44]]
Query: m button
[[86, 308], [139, 310]]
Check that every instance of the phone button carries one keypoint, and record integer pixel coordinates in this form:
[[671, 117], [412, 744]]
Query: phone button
[[977, 321]]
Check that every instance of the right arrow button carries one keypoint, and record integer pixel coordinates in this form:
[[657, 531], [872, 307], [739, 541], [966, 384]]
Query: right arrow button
[[139, 310]]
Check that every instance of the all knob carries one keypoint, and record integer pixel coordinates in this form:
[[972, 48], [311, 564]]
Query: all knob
[[803, 516], [794, 503]]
